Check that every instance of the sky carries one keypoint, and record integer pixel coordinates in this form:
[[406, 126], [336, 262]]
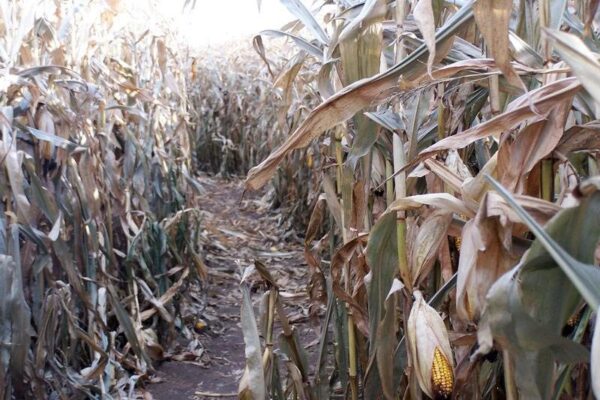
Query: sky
[[213, 22]]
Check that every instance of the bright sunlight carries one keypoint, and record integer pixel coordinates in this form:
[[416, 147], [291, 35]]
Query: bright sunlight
[[217, 22]]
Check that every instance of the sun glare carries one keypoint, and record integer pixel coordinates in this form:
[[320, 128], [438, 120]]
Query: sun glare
[[216, 22]]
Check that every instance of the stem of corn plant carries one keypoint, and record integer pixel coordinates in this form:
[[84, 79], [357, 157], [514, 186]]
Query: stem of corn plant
[[547, 180], [509, 382], [270, 320], [592, 166], [101, 129], [399, 158], [352, 369], [339, 158], [367, 161], [544, 21], [400, 186], [272, 299], [352, 358], [494, 82], [441, 126], [389, 185]]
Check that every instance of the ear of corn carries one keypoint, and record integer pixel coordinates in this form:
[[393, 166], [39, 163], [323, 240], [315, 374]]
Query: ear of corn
[[442, 376], [430, 350]]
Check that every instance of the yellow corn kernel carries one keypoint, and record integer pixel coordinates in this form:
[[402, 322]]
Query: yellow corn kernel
[[457, 242], [309, 160], [442, 376], [200, 326], [573, 320]]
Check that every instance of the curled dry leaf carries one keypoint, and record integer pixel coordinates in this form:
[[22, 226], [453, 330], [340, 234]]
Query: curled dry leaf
[[485, 254], [493, 18], [580, 138], [343, 256], [372, 10], [543, 99], [518, 157], [439, 200], [425, 20], [424, 247], [584, 63], [252, 384]]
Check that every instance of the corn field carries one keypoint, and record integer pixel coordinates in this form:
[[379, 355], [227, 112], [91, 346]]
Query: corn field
[[458, 165], [436, 163], [98, 232]]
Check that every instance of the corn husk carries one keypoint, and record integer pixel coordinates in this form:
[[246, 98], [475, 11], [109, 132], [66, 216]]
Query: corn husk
[[430, 349]]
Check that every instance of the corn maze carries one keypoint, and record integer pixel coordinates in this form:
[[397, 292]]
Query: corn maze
[[377, 200]]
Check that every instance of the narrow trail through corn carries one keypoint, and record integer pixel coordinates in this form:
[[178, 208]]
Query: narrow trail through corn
[[237, 231]]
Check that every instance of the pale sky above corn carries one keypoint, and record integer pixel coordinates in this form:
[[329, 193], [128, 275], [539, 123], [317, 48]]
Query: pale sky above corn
[[215, 22]]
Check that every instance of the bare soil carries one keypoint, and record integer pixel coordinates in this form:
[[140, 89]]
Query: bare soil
[[237, 232]]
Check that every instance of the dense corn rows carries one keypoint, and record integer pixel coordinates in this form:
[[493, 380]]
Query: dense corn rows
[[451, 134]]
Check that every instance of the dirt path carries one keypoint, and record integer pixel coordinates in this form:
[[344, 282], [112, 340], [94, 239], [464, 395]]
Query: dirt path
[[236, 232]]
